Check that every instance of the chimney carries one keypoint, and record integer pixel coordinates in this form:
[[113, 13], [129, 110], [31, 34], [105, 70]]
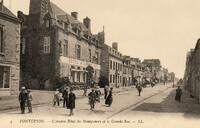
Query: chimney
[[1, 5], [75, 15], [115, 45], [87, 22]]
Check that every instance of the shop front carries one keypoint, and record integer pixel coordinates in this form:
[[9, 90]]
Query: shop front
[[79, 72]]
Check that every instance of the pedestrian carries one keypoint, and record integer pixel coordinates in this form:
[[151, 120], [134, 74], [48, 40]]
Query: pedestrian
[[98, 93], [139, 88], [92, 99], [109, 98], [71, 102], [106, 89], [56, 98], [29, 100], [65, 97], [85, 90], [178, 94], [22, 99]]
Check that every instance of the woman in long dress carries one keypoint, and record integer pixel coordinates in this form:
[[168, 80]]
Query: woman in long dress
[[109, 98]]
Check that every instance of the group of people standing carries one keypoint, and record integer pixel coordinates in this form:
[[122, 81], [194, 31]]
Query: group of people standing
[[68, 99], [25, 98], [94, 96]]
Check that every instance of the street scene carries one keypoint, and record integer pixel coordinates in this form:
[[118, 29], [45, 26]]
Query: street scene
[[99, 63]]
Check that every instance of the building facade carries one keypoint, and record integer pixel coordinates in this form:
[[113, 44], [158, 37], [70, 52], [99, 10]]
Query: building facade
[[111, 65], [57, 48], [192, 71], [127, 71], [9, 51]]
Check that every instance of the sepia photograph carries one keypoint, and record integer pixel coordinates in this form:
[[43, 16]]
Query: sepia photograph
[[99, 63]]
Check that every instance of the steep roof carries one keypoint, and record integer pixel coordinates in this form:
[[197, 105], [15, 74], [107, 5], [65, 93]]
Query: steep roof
[[8, 12], [66, 17]]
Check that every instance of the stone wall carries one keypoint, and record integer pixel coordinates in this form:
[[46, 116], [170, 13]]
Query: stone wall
[[11, 55]]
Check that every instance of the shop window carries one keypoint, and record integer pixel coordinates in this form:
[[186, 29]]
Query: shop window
[[4, 77]]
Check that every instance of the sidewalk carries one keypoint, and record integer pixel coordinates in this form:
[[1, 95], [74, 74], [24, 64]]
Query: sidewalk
[[45, 97]]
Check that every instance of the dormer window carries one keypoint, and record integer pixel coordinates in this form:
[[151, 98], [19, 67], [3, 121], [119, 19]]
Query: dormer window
[[65, 26], [47, 23]]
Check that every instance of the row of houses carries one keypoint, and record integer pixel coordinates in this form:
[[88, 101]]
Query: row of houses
[[49, 47], [191, 78]]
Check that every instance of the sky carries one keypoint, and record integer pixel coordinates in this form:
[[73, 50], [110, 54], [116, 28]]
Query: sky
[[145, 29]]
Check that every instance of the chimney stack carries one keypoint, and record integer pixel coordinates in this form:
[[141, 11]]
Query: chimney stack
[[115, 45], [75, 15], [87, 22], [1, 5]]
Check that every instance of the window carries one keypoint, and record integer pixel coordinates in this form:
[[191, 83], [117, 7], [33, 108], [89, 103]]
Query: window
[[116, 66], [4, 77], [23, 46], [110, 64], [113, 64], [90, 55], [78, 51], [113, 78], [46, 44], [78, 76], [1, 40], [65, 48], [96, 57], [47, 23], [65, 26], [110, 78]]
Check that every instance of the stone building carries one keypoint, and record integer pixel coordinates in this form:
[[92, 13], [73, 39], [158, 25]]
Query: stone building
[[127, 71], [192, 72], [137, 70], [155, 66], [187, 74], [57, 48], [9, 51], [111, 65]]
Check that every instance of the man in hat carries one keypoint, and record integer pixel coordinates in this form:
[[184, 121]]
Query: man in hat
[[92, 99], [29, 99], [22, 99], [65, 97]]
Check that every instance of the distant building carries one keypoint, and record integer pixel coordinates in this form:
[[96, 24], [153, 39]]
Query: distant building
[[9, 51], [155, 67], [111, 64], [137, 71], [57, 48], [127, 71]]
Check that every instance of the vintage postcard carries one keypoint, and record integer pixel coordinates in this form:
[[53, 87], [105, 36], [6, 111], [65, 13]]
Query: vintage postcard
[[99, 63]]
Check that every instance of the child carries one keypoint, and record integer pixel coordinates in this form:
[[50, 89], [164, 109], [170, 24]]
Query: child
[[56, 98], [29, 99], [92, 99]]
